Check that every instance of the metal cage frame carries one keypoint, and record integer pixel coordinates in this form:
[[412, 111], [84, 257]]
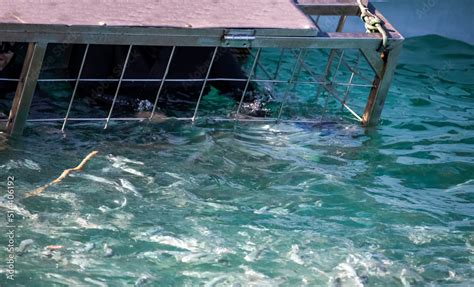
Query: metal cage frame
[[382, 60]]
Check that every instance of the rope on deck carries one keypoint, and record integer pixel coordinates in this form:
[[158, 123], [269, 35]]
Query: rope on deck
[[372, 23]]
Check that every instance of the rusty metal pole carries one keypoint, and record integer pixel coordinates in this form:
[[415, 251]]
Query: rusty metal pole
[[381, 85], [26, 88]]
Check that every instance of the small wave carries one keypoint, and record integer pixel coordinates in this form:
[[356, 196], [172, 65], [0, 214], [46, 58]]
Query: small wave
[[18, 209], [123, 164], [272, 211], [294, 255], [424, 234], [189, 244], [346, 275], [123, 160], [83, 223], [19, 164], [123, 185], [248, 277], [121, 205], [129, 186]]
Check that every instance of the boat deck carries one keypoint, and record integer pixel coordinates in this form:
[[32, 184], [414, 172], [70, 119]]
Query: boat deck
[[269, 14]]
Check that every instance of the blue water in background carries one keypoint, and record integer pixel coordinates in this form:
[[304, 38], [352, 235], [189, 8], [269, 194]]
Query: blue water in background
[[262, 204]]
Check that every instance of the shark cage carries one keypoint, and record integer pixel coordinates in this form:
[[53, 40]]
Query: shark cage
[[276, 61]]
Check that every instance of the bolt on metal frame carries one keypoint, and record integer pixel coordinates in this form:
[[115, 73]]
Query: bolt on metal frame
[[383, 62]]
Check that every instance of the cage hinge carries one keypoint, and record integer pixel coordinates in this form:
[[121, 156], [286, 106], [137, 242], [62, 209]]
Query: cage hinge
[[238, 38]]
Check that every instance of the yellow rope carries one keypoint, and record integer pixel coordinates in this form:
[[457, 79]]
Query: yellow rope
[[63, 175]]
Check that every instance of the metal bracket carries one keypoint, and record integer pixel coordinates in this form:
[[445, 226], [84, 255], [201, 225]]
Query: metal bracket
[[238, 38]]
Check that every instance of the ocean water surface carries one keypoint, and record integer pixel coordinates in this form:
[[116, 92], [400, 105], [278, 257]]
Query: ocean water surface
[[261, 204]]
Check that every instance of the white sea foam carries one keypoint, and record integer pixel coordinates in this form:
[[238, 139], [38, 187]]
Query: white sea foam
[[200, 257], [273, 211], [123, 164], [469, 247], [129, 170], [294, 254], [31, 165], [68, 197], [248, 277], [97, 179], [121, 205], [82, 261], [190, 244], [254, 254], [18, 164], [465, 186], [409, 277], [63, 279], [122, 219], [129, 186], [370, 264], [95, 282], [122, 160], [83, 223], [16, 208], [423, 234], [219, 206], [254, 278], [219, 281], [123, 185], [345, 275]]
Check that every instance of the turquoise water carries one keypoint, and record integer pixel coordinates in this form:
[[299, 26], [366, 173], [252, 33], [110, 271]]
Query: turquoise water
[[261, 204]]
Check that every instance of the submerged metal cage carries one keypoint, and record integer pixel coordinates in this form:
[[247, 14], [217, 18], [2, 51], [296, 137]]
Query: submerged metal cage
[[290, 33]]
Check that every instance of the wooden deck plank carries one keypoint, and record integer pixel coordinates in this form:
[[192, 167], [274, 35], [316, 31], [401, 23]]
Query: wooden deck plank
[[278, 14], [329, 7]]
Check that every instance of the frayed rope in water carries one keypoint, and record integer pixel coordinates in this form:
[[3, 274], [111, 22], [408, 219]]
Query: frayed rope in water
[[65, 173]]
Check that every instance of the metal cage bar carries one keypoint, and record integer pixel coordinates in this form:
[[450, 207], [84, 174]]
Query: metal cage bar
[[290, 84], [351, 79], [326, 100], [75, 87], [211, 63], [162, 83], [124, 69], [252, 71], [332, 53]]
